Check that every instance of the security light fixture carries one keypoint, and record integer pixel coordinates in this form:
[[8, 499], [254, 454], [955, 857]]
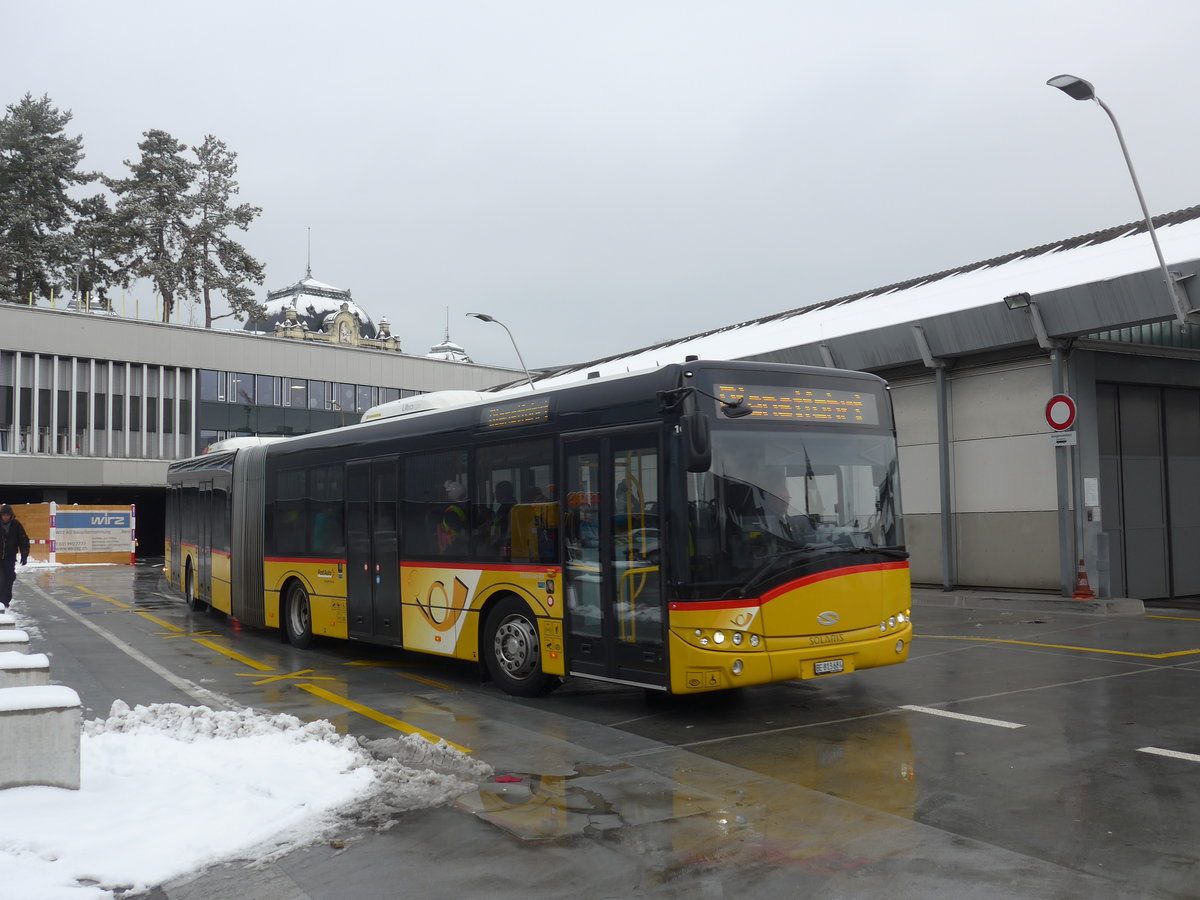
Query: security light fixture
[[1017, 301]]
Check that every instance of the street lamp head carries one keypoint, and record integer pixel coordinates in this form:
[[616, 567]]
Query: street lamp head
[[484, 317], [1074, 87]]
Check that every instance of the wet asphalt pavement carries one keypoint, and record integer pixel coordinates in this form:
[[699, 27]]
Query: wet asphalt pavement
[[1027, 749]]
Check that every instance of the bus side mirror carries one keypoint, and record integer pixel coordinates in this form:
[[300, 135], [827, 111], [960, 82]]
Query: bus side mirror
[[697, 447]]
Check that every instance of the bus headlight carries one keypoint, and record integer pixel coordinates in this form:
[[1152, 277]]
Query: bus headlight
[[737, 667], [718, 637], [738, 637], [754, 640], [899, 646], [891, 621]]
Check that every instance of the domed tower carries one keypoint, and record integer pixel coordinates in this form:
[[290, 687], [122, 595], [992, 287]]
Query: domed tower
[[447, 349], [314, 303]]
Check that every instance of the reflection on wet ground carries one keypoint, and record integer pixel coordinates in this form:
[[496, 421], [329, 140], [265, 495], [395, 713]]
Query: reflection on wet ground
[[844, 786]]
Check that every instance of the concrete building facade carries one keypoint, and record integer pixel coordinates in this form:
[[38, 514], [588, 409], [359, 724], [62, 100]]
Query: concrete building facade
[[93, 407]]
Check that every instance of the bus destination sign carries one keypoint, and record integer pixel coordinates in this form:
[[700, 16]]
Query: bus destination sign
[[530, 411], [804, 404]]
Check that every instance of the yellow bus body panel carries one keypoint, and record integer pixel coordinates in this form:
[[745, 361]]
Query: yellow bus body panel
[[325, 583], [441, 607], [861, 599]]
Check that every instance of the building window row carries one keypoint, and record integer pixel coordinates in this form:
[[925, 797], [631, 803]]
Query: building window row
[[300, 393], [72, 406]]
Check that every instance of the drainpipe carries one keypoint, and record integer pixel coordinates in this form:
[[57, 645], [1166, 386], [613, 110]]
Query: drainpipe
[[943, 426]]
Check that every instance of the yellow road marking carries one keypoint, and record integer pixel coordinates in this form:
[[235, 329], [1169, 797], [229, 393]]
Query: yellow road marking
[[380, 663], [85, 590], [159, 622], [947, 637], [428, 681], [237, 657], [1176, 618], [302, 672], [382, 718]]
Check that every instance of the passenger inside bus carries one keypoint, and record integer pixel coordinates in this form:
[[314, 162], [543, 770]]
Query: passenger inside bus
[[500, 524], [452, 529]]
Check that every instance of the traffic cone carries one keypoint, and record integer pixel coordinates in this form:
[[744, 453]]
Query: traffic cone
[[1083, 590]]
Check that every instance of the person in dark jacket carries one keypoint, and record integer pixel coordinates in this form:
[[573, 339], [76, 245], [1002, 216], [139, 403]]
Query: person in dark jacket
[[14, 542]]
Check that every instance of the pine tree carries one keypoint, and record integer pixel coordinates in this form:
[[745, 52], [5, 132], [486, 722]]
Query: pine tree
[[39, 164], [220, 263], [97, 245], [154, 213]]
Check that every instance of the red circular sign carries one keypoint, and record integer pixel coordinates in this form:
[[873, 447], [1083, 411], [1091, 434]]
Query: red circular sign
[[1060, 412]]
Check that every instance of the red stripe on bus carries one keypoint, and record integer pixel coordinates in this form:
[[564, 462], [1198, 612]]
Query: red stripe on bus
[[288, 559], [790, 586], [503, 567]]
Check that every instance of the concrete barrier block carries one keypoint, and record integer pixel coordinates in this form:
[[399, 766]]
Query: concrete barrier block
[[39, 731], [23, 669], [14, 639], [8, 622]]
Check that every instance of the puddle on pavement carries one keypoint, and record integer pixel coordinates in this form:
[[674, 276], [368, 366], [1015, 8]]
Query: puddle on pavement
[[592, 799]]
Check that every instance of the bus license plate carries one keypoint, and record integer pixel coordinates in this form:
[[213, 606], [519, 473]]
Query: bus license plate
[[829, 667]]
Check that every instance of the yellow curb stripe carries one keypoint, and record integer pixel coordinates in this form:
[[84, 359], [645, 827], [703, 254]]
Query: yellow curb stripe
[[237, 657], [378, 716], [948, 637]]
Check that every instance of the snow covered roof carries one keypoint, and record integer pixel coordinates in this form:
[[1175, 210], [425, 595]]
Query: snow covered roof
[[448, 350], [1101, 255], [314, 302]]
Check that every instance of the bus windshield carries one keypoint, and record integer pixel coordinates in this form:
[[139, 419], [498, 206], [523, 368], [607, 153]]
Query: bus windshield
[[777, 502]]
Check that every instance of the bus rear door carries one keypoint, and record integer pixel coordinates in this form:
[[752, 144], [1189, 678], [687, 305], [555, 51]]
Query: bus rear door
[[372, 549]]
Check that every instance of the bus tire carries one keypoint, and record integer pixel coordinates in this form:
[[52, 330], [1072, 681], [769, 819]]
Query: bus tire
[[297, 616], [194, 603], [512, 650]]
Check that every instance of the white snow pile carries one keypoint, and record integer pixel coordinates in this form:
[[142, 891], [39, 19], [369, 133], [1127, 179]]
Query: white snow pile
[[169, 789]]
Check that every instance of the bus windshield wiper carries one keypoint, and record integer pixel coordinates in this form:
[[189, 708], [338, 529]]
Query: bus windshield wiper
[[772, 566], [893, 552]]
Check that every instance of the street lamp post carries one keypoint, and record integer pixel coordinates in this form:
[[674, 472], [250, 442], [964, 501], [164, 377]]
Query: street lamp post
[[486, 318], [1079, 89]]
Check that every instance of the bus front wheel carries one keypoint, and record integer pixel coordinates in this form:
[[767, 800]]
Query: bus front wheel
[[512, 650], [297, 617]]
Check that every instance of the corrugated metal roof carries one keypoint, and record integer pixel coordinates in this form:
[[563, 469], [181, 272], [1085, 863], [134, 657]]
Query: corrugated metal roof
[[1054, 267]]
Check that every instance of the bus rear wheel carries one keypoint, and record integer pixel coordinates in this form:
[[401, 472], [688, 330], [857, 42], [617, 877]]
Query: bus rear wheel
[[194, 603], [512, 650], [297, 616]]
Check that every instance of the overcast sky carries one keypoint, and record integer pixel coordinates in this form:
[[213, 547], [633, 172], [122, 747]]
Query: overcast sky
[[603, 175]]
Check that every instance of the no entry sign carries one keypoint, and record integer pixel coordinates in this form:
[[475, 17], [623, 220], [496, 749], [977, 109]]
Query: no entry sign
[[1060, 412]]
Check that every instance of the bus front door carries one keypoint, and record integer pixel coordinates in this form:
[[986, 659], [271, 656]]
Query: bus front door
[[372, 549], [615, 616]]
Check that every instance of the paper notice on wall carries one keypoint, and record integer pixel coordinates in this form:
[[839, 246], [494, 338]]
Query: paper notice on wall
[[93, 531]]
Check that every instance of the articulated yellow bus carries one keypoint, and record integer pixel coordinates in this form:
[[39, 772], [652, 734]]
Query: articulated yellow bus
[[696, 527]]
